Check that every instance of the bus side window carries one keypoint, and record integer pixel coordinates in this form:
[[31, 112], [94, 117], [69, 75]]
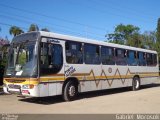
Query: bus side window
[[91, 54], [149, 59], [107, 56], [154, 59], [121, 57], [142, 59], [44, 54], [51, 59], [132, 61], [74, 53]]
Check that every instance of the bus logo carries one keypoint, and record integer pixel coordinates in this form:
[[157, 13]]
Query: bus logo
[[70, 71], [109, 70]]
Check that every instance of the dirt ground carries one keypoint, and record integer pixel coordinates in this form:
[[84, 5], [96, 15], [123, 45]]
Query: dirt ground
[[146, 100]]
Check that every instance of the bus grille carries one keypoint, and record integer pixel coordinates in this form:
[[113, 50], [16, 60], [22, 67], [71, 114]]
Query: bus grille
[[15, 81]]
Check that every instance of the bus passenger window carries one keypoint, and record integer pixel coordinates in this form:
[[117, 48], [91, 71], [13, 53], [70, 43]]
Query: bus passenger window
[[132, 61], [121, 57], [142, 59], [154, 59], [107, 56], [51, 59], [74, 54], [91, 54], [149, 59], [44, 52]]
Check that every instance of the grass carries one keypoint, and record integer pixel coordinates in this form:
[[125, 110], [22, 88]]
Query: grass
[[1, 87]]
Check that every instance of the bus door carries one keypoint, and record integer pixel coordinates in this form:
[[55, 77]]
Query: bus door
[[51, 66]]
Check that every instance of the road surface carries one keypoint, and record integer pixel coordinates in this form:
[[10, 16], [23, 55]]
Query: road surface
[[146, 100]]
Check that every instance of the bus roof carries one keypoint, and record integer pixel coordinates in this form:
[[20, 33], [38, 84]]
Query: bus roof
[[86, 40]]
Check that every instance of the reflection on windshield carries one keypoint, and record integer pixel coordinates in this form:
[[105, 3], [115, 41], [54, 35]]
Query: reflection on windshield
[[22, 60], [12, 51]]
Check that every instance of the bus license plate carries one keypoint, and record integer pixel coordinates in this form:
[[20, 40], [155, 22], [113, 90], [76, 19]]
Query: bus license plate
[[12, 86]]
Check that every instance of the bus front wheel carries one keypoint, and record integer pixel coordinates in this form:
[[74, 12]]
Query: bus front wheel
[[70, 91], [135, 84]]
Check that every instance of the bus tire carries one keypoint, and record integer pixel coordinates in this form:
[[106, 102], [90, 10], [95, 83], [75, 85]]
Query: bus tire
[[70, 91], [135, 83]]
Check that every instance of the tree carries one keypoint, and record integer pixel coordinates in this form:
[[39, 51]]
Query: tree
[[33, 27], [115, 38], [158, 38], [45, 29], [149, 39], [122, 33], [135, 40], [158, 31], [14, 30]]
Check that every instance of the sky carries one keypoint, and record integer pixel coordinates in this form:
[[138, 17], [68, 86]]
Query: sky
[[84, 18]]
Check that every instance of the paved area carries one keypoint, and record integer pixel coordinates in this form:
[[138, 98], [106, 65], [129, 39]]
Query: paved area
[[146, 100]]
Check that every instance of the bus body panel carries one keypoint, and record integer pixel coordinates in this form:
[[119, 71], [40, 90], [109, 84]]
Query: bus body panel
[[90, 77]]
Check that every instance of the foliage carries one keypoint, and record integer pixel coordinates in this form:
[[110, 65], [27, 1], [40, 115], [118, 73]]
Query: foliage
[[122, 33], [135, 40], [45, 29], [33, 27], [14, 30], [149, 39], [158, 31], [115, 38], [157, 47], [22, 58], [130, 35], [3, 48]]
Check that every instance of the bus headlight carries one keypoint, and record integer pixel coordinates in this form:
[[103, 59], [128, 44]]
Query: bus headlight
[[28, 86]]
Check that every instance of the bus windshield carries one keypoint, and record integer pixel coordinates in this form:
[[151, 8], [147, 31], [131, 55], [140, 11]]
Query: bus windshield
[[22, 59]]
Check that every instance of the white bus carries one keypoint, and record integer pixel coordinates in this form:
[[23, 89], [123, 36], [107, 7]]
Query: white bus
[[47, 64]]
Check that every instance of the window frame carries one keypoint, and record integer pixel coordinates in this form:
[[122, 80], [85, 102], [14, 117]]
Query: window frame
[[99, 49], [124, 58], [150, 59], [135, 57], [155, 62], [113, 56], [144, 58], [82, 51], [39, 69]]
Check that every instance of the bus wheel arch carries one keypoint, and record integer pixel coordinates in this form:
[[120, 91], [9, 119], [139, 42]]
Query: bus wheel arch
[[70, 89], [136, 83]]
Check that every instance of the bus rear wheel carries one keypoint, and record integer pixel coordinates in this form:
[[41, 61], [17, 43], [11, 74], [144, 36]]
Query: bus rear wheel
[[135, 84], [70, 91]]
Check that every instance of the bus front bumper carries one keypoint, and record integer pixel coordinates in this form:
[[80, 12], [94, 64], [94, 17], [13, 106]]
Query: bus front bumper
[[21, 90]]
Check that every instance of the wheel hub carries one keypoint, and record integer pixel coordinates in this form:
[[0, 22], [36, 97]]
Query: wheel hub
[[72, 91], [137, 84]]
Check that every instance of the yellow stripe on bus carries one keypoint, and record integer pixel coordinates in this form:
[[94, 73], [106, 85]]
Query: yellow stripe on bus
[[82, 77]]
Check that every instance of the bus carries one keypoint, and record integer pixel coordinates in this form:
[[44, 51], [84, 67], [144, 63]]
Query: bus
[[44, 64]]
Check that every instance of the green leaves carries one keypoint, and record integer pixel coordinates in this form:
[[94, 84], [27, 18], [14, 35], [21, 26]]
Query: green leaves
[[45, 29], [33, 27], [123, 34], [130, 35], [158, 31], [14, 30]]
